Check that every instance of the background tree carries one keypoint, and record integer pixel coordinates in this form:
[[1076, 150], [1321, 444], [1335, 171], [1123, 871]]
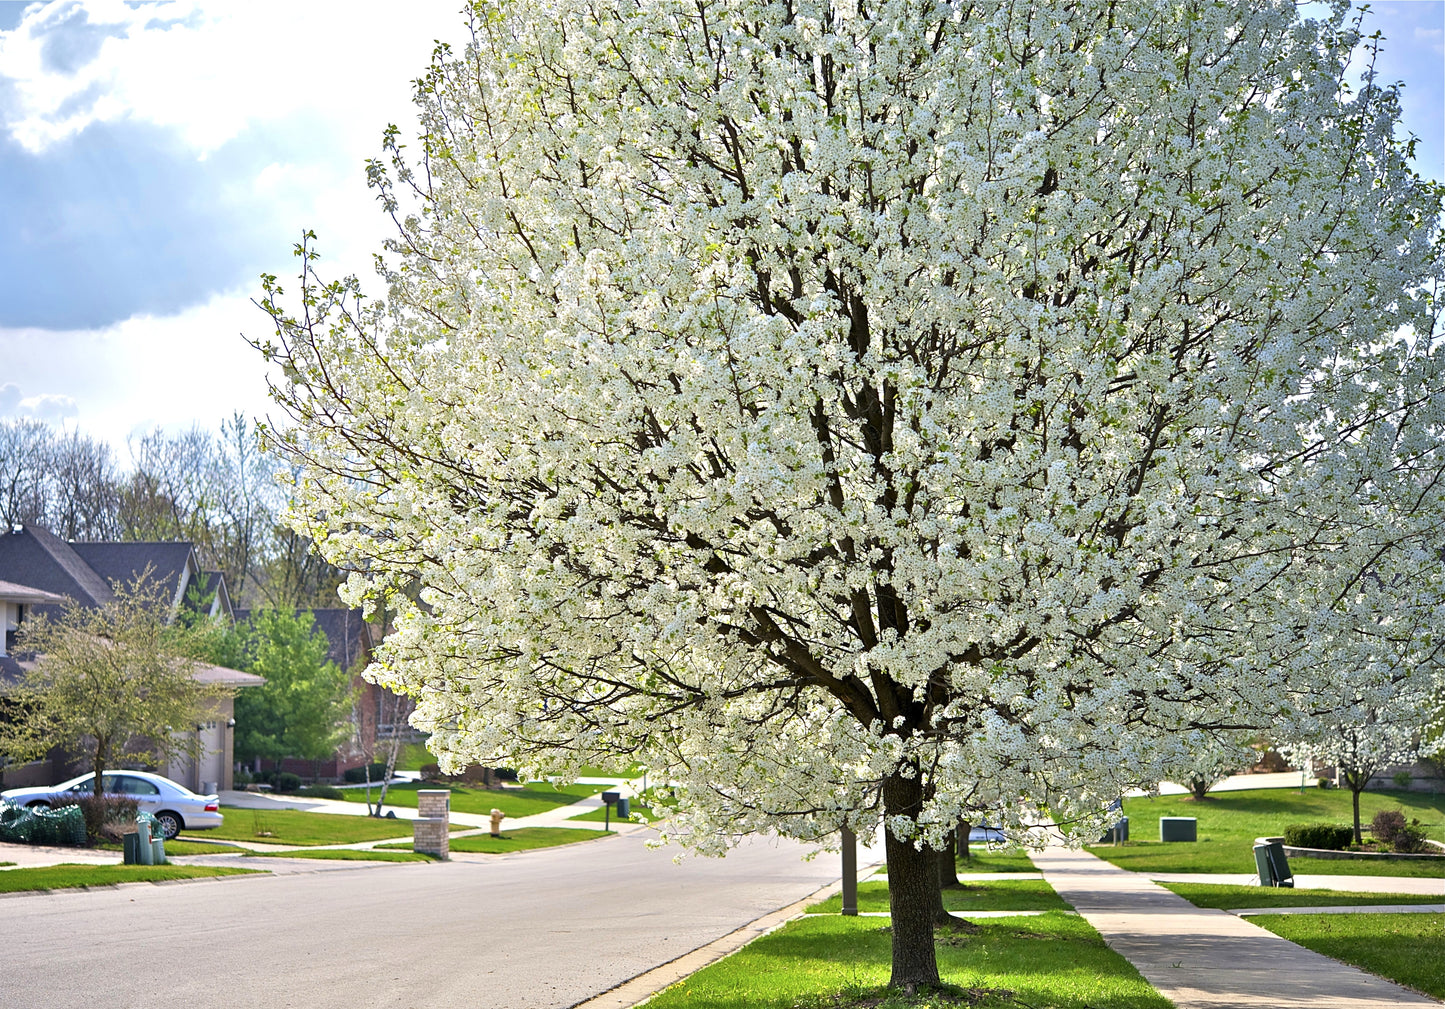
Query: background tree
[[301, 710], [214, 489], [1210, 758], [64, 481], [1364, 732], [111, 683], [867, 411]]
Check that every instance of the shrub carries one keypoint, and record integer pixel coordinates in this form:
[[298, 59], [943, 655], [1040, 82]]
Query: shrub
[[1323, 782], [1409, 839], [1318, 835], [285, 781], [106, 818], [1403, 779], [322, 792], [1386, 824], [357, 775]]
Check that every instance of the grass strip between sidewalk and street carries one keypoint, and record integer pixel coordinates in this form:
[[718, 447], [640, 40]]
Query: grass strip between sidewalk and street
[[1408, 949], [1228, 897], [345, 855], [536, 797], [296, 828], [974, 895], [521, 839], [1228, 823], [1047, 961], [70, 875]]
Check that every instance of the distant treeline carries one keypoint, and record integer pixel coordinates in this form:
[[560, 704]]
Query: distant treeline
[[217, 490]]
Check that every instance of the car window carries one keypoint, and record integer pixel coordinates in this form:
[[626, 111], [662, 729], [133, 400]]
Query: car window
[[137, 786], [109, 783]]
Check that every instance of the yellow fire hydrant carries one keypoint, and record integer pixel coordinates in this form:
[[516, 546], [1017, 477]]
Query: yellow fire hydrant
[[497, 815]]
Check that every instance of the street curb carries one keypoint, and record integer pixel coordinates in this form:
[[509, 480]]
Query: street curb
[[638, 989]]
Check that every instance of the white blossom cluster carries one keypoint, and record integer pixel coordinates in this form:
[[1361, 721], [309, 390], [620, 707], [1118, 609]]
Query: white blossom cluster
[[800, 396]]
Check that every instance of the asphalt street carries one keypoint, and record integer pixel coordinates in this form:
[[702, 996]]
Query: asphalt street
[[532, 930]]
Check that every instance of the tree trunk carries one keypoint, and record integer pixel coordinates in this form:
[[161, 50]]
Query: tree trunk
[[947, 867], [1355, 781], [391, 755], [1199, 788], [964, 829], [912, 892]]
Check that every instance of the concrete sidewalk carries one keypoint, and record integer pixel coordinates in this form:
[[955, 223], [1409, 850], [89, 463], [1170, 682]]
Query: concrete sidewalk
[[1207, 959], [1424, 886]]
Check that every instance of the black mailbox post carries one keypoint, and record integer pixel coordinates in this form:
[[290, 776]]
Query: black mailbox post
[[610, 798]]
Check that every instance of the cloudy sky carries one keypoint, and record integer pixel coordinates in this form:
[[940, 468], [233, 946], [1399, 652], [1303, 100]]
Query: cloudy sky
[[155, 158]]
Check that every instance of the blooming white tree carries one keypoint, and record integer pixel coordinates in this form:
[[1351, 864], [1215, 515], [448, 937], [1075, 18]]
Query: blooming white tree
[[1363, 726], [879, 411], [1210, 757]]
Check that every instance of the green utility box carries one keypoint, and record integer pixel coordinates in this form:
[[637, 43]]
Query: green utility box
[[1178, 828]]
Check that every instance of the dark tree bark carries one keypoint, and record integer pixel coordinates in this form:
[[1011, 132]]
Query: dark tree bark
[[913, 895], [964, 829], [947, 867]]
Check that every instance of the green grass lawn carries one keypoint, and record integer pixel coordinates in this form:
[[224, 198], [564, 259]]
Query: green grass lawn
[[412, 756], [294, 827], [1048, 961], [69, 876], [1407, 948], [982, 859], [983, 895], [538, 797], [522, 839], [1230, 821], [344, 855], [1228, 897]]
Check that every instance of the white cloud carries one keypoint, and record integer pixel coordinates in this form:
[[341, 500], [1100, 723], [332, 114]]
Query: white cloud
[[145, 372], [209, 71]]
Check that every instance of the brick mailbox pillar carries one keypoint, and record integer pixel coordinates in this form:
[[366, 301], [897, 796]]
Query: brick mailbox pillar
[[430, 831]]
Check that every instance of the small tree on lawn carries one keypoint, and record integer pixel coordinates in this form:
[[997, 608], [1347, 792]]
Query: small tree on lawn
[[879, 411], [302, 709], [393, 711], [114, 683]]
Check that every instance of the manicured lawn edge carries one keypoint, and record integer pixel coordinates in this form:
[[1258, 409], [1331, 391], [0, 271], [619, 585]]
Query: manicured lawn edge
[[1404, 948], [70, 876], [1228, 897], [1053, 960]]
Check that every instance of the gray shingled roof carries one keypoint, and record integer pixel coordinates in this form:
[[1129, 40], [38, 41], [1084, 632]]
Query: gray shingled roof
[[164, 563], [32, 556]]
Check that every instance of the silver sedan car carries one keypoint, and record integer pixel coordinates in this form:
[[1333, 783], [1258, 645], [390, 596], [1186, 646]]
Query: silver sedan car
[[174, 806]]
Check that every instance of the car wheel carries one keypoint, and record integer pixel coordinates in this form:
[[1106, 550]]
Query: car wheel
[[170, 823], [37, 804]]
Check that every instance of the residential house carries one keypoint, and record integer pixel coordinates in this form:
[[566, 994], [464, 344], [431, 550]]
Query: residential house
[[39, 571]]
